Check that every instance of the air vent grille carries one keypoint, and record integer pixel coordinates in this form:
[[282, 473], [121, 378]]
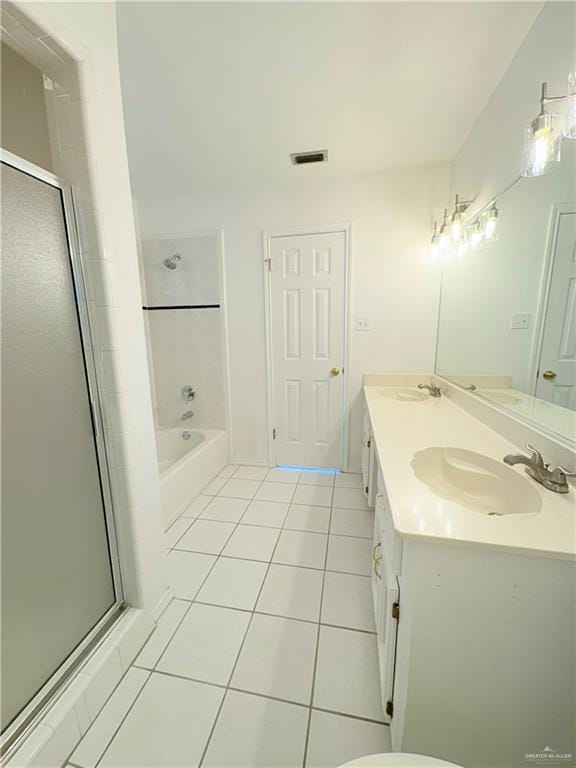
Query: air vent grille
[[305, 158]]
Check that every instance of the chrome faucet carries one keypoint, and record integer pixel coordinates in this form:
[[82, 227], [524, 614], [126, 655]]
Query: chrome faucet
[[187, 415], [433, 390], [554, 479]]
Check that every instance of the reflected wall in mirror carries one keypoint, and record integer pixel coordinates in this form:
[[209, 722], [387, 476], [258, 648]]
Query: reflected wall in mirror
[[507, 323]]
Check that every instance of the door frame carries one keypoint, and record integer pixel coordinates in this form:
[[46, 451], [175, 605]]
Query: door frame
[[32, 710], [556, 212], [290, 231]]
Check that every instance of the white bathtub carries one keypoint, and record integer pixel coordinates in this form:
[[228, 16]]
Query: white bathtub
[[187, 465]]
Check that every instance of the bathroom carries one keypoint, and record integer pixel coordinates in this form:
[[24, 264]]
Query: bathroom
[[290, 325]]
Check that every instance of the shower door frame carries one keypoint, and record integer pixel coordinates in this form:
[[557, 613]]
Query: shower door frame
[[18, 728]]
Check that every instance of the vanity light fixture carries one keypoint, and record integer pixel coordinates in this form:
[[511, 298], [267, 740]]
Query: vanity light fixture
[[457, 221], [542, 143], [444, 234], [476, 234], [435, 243], [569, 116], [490, 222]]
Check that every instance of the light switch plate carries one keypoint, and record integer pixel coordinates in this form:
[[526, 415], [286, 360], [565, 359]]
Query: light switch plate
[[520, 320], [362, 323]]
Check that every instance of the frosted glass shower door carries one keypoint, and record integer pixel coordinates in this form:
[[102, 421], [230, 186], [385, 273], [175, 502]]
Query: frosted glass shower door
[[57, 572]]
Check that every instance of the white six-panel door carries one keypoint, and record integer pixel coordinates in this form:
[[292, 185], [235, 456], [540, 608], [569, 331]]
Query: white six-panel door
[[557, 369], [307, 311]]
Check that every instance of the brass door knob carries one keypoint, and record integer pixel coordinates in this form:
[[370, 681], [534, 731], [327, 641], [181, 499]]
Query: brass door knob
[[334, 371], [549, 375]]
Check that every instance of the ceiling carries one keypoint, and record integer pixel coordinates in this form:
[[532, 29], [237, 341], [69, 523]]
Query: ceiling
[[221, 93]]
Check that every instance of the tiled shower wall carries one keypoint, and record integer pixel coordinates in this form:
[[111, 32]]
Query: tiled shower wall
[[184, 325]]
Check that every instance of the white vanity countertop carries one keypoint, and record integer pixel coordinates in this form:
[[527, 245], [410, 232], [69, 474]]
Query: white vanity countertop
[[401, 429], [554, 417]]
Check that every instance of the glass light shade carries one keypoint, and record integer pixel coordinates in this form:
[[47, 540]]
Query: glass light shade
[[476, 234], [490, 223], [444, 234], [456, 227], [569, 115], [435, 244], [542, 145]]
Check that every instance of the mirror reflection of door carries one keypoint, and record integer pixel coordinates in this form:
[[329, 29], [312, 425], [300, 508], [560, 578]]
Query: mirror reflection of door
[[556, 378]]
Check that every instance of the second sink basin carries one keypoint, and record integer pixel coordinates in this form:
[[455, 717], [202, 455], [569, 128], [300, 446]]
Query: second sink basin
[[406, 394], [475, 482]]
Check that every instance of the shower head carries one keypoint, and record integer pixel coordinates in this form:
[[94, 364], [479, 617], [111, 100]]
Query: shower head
[[172, 261]]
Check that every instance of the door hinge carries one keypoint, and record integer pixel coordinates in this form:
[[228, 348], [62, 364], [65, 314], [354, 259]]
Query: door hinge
[[367, 491], [396, 611], [369, 443], [390, 708], [268, 262], [274, 434]]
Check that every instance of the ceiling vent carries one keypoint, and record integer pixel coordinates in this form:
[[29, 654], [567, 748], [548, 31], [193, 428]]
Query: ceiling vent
[[305, 158]]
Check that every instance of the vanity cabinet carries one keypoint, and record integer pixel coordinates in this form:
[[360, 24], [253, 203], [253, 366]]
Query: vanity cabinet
[[369, 462], [475, 646], [386, 599]]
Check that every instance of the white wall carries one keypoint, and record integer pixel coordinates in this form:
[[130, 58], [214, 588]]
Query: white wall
[[393, 279], [482, 289], [185, 346], [76, 44], [490, 158], [24, 123]]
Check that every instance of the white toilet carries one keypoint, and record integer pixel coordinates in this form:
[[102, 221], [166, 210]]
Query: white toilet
[[398, 760]]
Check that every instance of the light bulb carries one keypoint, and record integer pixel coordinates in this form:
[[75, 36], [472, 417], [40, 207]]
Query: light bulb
[[490, 222], [569, 115], [444, 234], [542, 145], [476, 234], [435, 244], [456, 227]]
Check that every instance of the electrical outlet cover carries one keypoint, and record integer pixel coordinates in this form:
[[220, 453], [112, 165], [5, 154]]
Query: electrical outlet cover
[[520, 320], [362, 323]]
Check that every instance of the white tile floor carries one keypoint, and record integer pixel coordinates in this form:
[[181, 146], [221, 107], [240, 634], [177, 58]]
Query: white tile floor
[[267, 655]]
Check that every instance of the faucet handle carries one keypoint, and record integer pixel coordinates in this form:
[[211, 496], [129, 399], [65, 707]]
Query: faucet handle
[[559, 475], [536, 456]]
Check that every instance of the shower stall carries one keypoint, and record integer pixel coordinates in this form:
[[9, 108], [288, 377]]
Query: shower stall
[[61, 586], [185, 325]]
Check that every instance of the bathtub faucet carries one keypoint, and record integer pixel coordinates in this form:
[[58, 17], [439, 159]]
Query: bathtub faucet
[[187, 415]]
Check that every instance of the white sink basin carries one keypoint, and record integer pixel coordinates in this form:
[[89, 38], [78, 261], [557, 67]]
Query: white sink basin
[[405, 394], [476, 482]]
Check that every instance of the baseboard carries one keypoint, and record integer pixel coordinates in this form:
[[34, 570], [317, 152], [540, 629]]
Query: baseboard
[[163, 603], [71, 712], [249, 462]]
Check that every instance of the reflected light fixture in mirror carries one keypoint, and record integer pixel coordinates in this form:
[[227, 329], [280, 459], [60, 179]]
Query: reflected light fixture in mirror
[[490, 222], [435, 243], [569, 116], [457, 221], [444, 234]]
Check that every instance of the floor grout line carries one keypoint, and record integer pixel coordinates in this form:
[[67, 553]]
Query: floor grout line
[[122, 720], [253, 612], [214, 724], [315, 667]]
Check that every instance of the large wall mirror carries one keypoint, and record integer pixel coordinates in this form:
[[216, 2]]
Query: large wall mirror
[[507, 325]]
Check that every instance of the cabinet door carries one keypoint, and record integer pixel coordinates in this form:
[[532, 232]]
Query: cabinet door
[[387, 611], [366, 442], [376, 574]]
